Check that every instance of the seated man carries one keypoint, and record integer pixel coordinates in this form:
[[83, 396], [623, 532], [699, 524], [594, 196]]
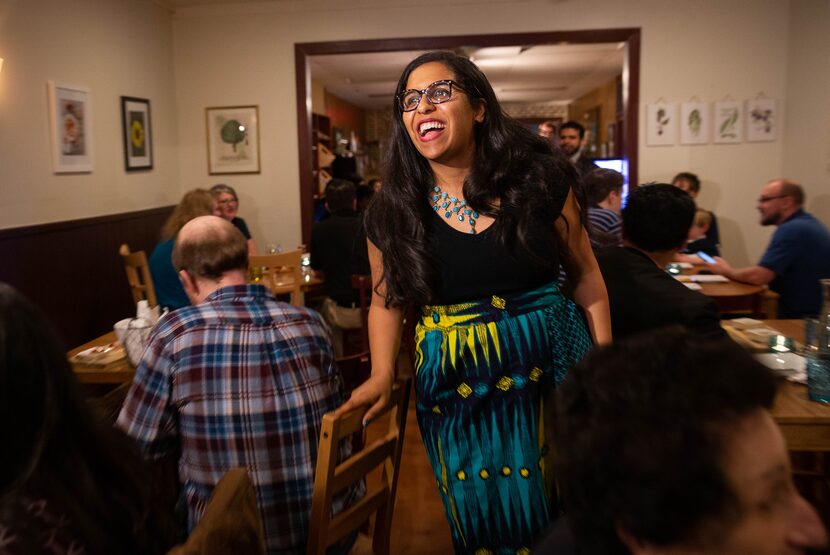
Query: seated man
[[603, 189], [665, 445], [690, 183], [797, 257], [642, 296], [338, 249], [235, 379]]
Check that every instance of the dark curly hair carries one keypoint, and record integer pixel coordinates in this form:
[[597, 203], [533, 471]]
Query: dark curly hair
[[657, 217], [56, 448], [640, 430], [512, 166]]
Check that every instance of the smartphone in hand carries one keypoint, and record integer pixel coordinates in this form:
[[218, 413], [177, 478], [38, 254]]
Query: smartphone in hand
[[706, 258]]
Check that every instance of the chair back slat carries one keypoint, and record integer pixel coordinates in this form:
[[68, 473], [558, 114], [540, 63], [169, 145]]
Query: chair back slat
[[274, 265], [138, 275], [325, 529]]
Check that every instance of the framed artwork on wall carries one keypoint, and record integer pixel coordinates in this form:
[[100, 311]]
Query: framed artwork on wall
[[70, 128], [233, 139], [661, 124], [694, 123], [137, 131], [728, 122], [761, 120]]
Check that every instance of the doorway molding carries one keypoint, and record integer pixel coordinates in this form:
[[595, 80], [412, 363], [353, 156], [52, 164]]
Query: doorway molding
[[302, 51]]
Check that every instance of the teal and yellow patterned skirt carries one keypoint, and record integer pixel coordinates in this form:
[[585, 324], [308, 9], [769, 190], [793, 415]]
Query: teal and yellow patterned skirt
[[481, 372]]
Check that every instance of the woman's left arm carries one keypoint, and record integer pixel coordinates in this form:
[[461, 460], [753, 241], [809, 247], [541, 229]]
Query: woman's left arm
[[582, 268]]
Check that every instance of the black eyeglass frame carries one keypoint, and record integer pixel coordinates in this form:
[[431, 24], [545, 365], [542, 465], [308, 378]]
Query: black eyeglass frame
[[763, 200], [423, 92]]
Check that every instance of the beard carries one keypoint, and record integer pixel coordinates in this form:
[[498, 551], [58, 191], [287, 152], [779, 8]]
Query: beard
[[769, 219]]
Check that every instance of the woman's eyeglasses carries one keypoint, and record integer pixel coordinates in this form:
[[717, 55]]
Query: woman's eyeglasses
[[228, 201], [436, 93]]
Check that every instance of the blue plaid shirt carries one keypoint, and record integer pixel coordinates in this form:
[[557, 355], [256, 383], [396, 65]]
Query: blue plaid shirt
[[239, 380]]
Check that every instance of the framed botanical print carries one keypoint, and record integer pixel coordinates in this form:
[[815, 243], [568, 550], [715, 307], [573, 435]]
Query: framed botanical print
[[70, 128], [137, 132], [233, 139]]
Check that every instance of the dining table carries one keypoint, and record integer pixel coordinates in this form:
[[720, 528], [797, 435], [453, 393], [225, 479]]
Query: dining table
[[805, 424], [108, 372], [731, 296]]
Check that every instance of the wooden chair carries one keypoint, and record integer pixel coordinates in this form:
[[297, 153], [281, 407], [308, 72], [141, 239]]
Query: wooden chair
[[331, 477], [355, 369], [275, 266], [231, 522], [363, 284], [138, 275]]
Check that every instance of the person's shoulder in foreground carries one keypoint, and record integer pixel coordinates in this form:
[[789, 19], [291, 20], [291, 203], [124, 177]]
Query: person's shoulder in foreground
[[665, 445]]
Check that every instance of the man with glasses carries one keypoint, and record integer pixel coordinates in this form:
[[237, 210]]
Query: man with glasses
[[797, 257]]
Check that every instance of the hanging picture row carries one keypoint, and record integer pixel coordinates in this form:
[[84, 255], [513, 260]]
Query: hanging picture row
[[723, 122]]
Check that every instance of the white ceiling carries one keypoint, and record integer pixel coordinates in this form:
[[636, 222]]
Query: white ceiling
[[537, 74]]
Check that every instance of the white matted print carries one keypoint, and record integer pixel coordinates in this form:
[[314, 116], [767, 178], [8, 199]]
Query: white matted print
[[761, 120], [728, 122], [233, 139], [661, 124], [70, 128], [694, 123]]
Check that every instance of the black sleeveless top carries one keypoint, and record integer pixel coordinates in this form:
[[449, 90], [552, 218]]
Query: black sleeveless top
[[478, 266]]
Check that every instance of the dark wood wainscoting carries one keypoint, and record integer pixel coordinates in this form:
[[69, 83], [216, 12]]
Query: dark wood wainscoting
[[73, 272]]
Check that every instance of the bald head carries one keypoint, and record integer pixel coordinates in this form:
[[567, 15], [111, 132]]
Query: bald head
[[787, 188], [208, 247]]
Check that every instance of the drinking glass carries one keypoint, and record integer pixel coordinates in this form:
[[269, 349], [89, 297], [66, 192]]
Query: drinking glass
[[818, 362]]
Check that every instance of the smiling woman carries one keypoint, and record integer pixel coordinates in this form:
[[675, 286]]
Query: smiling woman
[[474, 217]]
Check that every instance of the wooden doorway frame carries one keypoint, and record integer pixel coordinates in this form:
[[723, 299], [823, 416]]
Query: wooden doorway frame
[[631, 85]]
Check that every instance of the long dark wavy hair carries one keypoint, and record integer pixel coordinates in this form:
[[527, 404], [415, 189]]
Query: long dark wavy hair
[[514, 178], [55, 448]]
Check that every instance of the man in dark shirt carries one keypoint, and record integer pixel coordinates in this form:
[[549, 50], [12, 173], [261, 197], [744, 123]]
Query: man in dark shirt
[[656, 221], [571, 135], [797, 257], [338, 250]]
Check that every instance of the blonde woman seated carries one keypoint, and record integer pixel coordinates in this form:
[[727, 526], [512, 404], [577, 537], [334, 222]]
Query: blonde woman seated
[[169, 291]]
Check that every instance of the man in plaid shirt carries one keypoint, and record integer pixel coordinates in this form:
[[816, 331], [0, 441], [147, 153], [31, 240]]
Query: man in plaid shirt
[[236, 379]]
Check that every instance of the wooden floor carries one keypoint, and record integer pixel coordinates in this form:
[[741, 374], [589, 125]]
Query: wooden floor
[[418, 525]]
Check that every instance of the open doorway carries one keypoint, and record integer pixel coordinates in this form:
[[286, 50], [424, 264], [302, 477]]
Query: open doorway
[[309, 125]]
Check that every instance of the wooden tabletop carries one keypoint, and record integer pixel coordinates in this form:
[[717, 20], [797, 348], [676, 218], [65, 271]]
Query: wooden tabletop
[[114, 373], [804, 423]]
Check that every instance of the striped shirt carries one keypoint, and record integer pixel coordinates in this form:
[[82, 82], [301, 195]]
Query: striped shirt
[[606, 221], [239, 380]]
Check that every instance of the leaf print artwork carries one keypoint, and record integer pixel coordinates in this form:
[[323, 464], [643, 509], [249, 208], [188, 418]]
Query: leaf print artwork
[[728, 127], [662, 121], [695, 122]]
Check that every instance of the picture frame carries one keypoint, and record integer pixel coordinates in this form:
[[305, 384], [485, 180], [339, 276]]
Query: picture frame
[[695, 120], [661, 124], [232, 139], [761, 120], [729, 124], [70, 128], [137, 132]]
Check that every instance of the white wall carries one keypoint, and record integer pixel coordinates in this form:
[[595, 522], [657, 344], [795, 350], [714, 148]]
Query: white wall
[[707, 49], [113, 47], [807, 137], [244, 54]]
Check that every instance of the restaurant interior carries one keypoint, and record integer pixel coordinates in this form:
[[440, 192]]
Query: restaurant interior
[[318, 77]]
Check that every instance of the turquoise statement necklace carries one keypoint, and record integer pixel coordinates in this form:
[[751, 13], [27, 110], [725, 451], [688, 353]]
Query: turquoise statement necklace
[[453, 206]]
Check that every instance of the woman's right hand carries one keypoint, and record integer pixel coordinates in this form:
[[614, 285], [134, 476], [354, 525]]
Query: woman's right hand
[[374, 393]]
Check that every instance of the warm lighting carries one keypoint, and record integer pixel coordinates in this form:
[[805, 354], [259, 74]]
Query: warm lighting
[[1, 64]]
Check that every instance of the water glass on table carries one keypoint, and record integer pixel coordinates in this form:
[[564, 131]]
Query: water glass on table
[[818, 360]]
